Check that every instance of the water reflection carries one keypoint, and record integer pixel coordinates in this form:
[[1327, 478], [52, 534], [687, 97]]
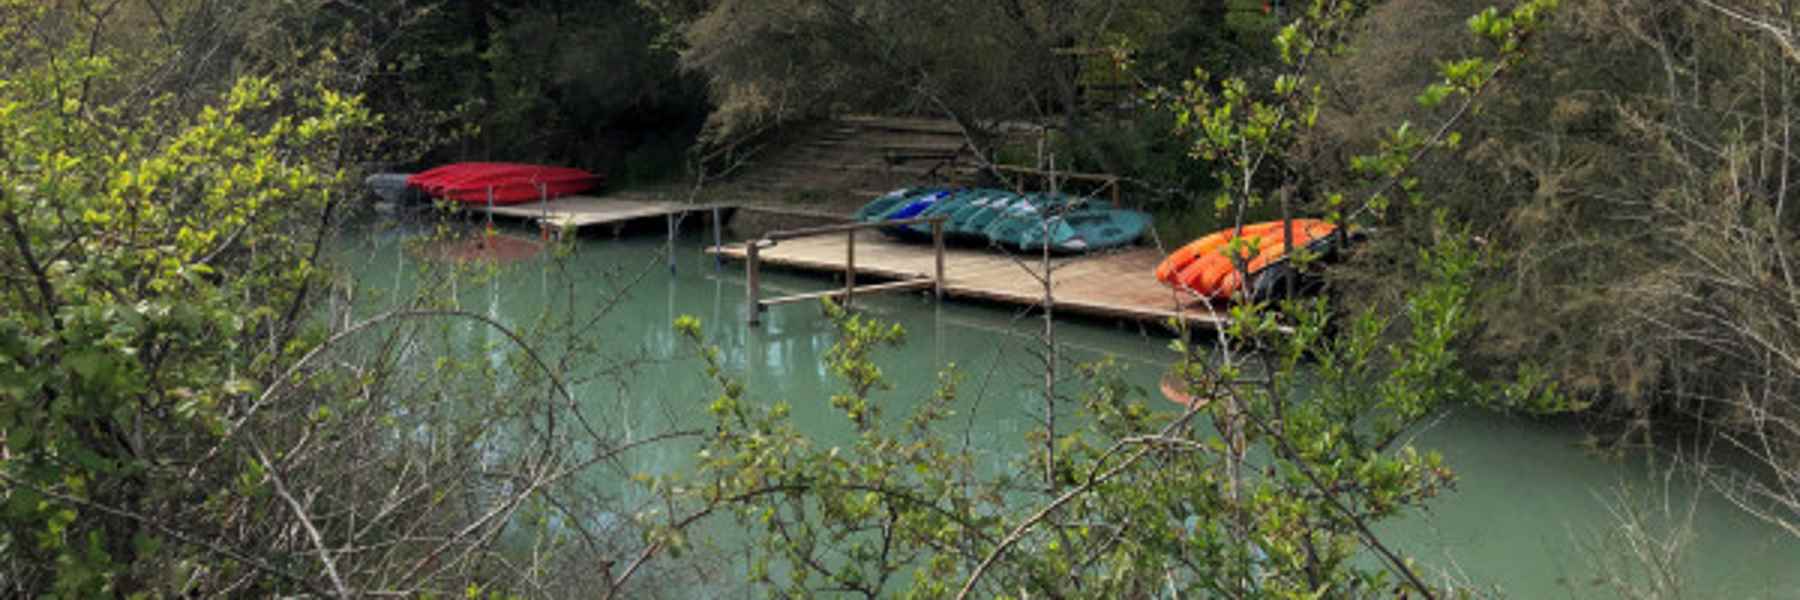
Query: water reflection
[[1525, 490]]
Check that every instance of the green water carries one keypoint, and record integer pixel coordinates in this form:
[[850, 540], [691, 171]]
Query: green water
[[1527, 516]]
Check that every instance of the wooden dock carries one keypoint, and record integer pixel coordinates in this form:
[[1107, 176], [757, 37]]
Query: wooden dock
[[1108, 285], [572, 213]]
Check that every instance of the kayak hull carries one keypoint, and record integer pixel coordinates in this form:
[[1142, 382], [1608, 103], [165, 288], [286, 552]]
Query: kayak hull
[[502, 183], [1216, 266]]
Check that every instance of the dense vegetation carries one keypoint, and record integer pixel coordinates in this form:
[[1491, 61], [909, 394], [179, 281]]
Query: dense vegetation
[[1580, 206]]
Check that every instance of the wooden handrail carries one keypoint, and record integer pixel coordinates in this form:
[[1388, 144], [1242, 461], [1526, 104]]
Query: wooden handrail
[[754, 304], [1109, 181], [1062, 174]]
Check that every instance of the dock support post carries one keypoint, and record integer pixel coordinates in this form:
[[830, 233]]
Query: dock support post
[[849, 268], [671, 246], [718, 224], [543, 212], [937, 245], [490, 212], [752, 302]]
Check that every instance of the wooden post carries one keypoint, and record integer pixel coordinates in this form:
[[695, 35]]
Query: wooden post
[[752, 305], [490, 211], [543, 212], [718, 261], [1115, 193], [849, 267], [671, 246], [937, 245]]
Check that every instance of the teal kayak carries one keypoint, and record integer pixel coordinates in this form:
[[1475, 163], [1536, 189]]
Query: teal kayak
[[1011, 205], [962, 220], [1086, 230], [1010, 228]]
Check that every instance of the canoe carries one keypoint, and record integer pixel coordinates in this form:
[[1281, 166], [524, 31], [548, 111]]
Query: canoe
[[1206, 266], [502, 183], [1086, 230]]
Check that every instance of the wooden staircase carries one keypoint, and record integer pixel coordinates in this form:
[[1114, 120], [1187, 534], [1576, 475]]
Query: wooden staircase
[[838, 165]]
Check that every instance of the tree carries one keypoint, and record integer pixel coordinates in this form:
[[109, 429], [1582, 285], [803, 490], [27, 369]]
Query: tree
[[163, 265], [978, 63], [1639, 182]]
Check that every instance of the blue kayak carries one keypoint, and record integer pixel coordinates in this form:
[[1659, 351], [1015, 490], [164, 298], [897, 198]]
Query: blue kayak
[[881, 206], [947, 208], [912, 209]]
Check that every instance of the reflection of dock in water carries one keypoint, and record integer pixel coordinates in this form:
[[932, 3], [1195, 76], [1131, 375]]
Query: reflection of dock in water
[[479, 246]]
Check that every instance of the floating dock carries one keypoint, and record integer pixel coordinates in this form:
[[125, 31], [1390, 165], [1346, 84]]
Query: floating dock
[[570, 214], [1114, 284]]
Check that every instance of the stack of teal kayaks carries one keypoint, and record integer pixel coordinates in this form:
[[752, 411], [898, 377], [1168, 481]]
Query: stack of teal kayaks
[[1028, 222]]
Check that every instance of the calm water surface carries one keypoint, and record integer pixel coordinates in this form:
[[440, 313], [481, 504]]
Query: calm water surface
[[1530, 512]]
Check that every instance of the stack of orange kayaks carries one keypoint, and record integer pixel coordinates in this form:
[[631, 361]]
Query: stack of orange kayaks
[[1206, 267]]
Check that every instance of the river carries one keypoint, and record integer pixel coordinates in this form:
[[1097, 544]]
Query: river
[[1530, 514]]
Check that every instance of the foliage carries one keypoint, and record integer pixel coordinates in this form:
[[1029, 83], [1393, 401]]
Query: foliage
[[1637, 184], [192, 400], [1306, 448], [156, 268], [1146, 500], [557, 81], [981, 64]]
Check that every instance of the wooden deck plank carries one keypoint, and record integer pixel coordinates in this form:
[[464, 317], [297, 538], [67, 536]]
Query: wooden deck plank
[[1114, 285]]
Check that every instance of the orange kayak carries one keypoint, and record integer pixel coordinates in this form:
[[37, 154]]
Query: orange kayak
[[1205, 265]]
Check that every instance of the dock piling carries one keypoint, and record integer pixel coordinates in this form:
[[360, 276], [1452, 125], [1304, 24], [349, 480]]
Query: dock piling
[[937, 245], [849, 267], [919, 280], [718, 242], [752, 284]]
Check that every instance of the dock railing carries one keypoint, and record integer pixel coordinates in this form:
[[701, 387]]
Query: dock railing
[[755, 305]]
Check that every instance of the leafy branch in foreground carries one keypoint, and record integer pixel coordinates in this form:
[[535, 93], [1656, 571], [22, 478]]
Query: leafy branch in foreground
[[1153, 500], [1279, 497]]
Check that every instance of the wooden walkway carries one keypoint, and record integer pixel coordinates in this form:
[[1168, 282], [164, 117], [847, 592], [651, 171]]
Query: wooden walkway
[[1111, 285], [571, 213]]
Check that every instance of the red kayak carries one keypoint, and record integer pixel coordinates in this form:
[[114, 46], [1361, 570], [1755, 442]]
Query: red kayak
[[509, 183]]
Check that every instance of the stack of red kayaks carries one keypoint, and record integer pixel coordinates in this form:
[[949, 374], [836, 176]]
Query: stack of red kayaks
[[509, 183], [1206, 267]]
